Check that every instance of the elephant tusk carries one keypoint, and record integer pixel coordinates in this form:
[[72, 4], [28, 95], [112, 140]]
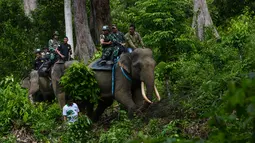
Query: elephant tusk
[[143, 93], [156, 91]]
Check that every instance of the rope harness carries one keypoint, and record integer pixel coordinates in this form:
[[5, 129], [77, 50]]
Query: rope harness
[[113, 75]]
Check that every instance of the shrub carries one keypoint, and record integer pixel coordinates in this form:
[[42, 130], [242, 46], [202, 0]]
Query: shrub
[[78, 131], [80, 84]]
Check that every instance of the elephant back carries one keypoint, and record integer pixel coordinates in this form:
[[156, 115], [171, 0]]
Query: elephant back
[[69, 63]]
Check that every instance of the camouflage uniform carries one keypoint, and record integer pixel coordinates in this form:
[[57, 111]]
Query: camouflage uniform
[[134, 41], [119, 36], [53, 45], [107, 49]]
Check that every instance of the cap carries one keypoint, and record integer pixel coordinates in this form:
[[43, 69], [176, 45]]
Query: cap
[[105, 27], [56, 33], [114, 26]]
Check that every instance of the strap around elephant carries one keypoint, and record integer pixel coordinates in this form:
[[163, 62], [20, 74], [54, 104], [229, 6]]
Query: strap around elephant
[[113, 79], [125, 74], [113, 74]]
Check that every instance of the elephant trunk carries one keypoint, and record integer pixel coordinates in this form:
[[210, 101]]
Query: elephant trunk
[[148, 80], [150, 87]]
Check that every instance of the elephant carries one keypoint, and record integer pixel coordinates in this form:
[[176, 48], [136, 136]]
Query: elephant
[[57, 72], [139, 67], [39, 87]]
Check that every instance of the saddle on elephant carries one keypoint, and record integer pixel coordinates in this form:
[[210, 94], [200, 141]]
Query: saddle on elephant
[[44, 69], [118, 50]]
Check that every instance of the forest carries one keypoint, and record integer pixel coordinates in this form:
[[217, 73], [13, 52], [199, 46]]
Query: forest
[[204, 70]]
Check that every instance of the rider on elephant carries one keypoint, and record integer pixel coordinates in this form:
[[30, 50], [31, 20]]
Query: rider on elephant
[[64, 50], [133, 38], [39, 60], [119, 36], [45, 53], [53, 44], [119, 43], [106, 40]]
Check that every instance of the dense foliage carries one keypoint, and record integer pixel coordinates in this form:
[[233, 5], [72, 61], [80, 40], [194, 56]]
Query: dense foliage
[[20, 35], [80, 84], [211, 83]]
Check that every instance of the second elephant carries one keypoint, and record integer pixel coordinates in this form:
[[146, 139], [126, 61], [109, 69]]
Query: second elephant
[[133, 73]]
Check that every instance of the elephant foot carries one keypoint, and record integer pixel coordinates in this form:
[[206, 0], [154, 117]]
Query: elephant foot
[[130, 116], [144, 107]]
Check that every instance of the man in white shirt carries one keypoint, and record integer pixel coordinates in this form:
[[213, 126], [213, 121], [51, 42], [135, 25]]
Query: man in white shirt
[[71, 112]]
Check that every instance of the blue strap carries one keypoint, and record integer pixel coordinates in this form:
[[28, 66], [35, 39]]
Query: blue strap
[[124, 73], [113, 75], [113, 79]]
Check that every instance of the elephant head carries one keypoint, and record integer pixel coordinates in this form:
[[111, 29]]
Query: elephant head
[[140, 65], [39, 88]]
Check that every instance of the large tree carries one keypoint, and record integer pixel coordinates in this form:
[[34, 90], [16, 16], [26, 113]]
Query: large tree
[[202, 19], [99, 16], [85, 47], [29, 5], [69, 23]]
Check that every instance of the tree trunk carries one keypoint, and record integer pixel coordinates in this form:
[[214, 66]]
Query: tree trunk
[[29, 5], [85, 47], [202, 19], [69, 24], [99, 16]]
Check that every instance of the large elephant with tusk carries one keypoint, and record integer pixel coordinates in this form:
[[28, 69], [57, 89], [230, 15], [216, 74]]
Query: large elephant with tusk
[[133, 72]]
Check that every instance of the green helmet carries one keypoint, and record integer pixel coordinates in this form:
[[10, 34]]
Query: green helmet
[[56, 33], [106, 27]]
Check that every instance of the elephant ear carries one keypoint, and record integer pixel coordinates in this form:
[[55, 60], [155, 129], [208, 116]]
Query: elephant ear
[[125, 62]]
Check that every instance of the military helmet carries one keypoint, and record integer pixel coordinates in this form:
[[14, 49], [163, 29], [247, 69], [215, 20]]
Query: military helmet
[[56, 33], [37, 50], [105, 27]]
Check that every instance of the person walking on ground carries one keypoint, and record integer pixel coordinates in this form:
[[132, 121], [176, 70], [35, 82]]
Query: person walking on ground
[[71, 112]]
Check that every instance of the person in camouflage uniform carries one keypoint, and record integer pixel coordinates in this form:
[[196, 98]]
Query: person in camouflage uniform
[[106, 40], [53, 45], [119, 36], [133, 38], [119, 42]]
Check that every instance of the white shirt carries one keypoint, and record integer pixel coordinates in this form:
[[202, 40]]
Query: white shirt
[[71, 112]]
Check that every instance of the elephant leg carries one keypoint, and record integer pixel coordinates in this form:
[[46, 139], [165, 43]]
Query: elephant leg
[[139, 101], [125, 98], [102, 105], [137, 97], [56, 73], [86, 105], [60, 95], [89, 108], [61, 99]]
